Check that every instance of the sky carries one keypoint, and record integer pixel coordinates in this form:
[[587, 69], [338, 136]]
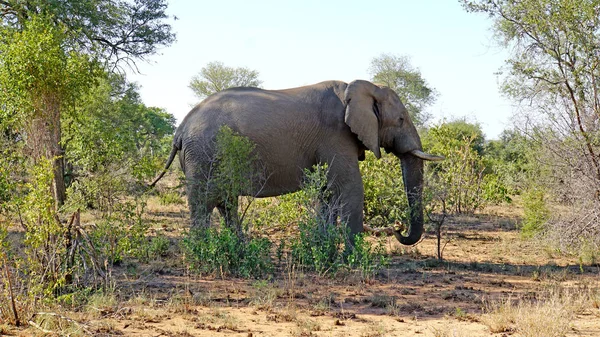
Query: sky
[[296, 43]]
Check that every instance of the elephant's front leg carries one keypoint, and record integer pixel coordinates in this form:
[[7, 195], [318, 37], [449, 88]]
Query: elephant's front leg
[[347, 189]]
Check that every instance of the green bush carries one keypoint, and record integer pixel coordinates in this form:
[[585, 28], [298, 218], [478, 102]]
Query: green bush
[[494, 189], [121, 234], [46, 244], [385, 200], [228, 250], [222, 252], [279, 212], [461, 175], [170, 197], [319, 246], [536, 212], [508, 159], [323, 246], [158, 246], [365, 257]]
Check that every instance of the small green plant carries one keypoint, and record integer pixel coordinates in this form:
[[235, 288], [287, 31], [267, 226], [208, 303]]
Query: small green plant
[[158, 246], [536, 212], [237, 173], [320, 244], [365, 257], [323, 245], [122, 233], [222, 252], [170, 197], [319, 249], [382, 179], [460, 314]]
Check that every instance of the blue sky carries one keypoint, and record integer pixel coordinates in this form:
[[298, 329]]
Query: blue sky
[[295, 43]]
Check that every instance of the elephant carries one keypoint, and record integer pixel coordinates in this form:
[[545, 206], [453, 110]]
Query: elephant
[[331, 122]]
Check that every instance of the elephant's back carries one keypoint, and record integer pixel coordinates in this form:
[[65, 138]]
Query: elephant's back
[[263, 115], [287, 126]]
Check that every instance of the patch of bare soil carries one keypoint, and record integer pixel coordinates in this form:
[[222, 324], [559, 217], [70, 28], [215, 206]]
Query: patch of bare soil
[[485, 263]]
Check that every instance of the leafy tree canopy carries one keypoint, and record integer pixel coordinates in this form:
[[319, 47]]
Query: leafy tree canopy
[[113, 31], [112, 126], [454, 133], [217, 77], [397, 73]]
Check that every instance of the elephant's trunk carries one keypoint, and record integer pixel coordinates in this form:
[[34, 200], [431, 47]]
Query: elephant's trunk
[[412, 174]]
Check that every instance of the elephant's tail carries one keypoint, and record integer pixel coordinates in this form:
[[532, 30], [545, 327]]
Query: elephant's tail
[[174, 150]]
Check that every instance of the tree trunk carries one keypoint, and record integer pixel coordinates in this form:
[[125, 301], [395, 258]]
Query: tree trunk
[[43, 141], [59, 188]]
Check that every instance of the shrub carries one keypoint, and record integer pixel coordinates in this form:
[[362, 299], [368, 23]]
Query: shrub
[[121, 234], [385, 200], [46, 243], [321, 245], [463, 175], [158, 246], [536, 212], [365, 257], [277, 211], [228, 251], [170, 197], [222, 252]]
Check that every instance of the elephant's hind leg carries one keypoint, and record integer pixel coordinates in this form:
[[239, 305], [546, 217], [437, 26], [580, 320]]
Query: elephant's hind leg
[[229, 211], [201, 200]]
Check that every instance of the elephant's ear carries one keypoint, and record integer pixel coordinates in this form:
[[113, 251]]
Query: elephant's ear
[[361, 116]]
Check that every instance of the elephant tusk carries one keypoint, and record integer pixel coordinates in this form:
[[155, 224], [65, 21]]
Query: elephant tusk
[[426, 156]]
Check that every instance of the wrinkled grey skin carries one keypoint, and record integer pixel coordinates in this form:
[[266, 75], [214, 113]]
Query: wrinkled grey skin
[[329, 122]]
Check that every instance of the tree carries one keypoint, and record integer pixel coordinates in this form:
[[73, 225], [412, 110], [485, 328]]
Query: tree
[[113, 142], [397, 73], [508, 157], [553, 72], [464, 178], [51, 51], [459, 129], [215, 77], [38, 79], [113, 31]]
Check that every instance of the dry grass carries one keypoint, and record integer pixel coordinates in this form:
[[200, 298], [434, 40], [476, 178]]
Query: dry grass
[[500, 317], [549, 314], [100, 304], [264, 294], [374, 330], [547, 318], [447, 331], [5, 330], [306, 327]]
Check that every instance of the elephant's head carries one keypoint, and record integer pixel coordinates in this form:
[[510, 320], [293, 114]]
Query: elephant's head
[[379, 119]]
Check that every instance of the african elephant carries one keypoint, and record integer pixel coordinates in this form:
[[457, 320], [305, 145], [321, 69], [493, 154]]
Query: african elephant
[[293, 129]]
